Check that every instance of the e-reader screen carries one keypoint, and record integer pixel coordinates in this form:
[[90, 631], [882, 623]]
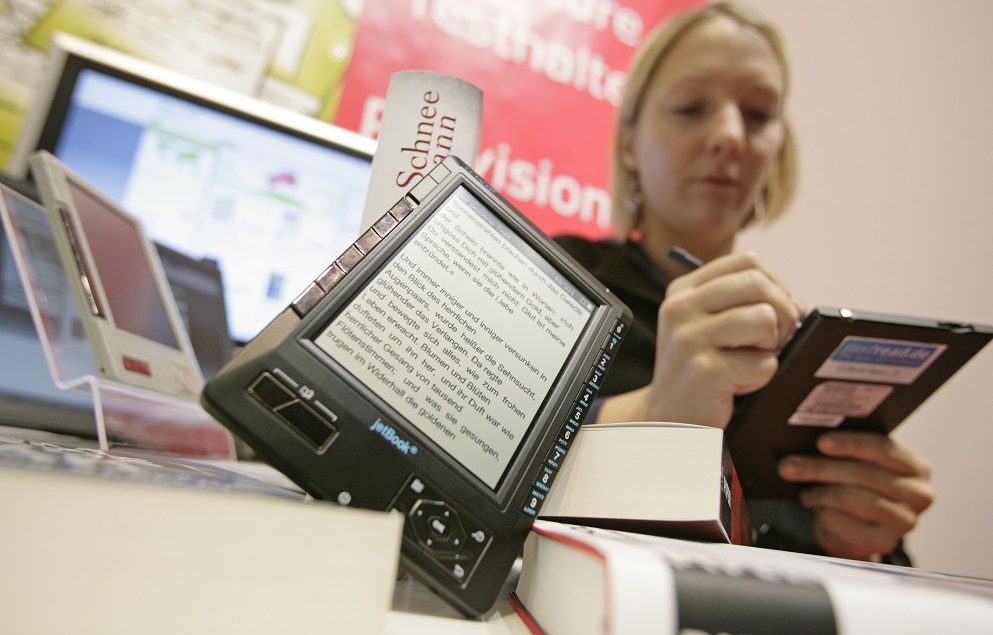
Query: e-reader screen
[[472, 382]]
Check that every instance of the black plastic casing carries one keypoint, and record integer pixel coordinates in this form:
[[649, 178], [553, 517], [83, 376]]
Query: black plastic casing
[[328, 432], [762, 432]]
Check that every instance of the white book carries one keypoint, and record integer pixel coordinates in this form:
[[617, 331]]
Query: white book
[[670, 479], [580, 580], [427, 116], [174, 550]]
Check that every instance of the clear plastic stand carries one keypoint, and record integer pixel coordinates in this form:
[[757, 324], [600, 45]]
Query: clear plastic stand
[[142, 419], [126, 416]]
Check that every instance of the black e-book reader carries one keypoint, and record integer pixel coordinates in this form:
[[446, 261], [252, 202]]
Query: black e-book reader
[[440, 368], [844, 369]]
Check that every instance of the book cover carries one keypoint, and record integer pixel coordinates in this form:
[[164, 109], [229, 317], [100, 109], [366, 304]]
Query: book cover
[[115, 544], [426, 117], [586, 580]]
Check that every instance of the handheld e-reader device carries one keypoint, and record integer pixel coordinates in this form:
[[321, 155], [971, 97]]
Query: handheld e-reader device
[[440, 368], [843, 369], [126, 305]]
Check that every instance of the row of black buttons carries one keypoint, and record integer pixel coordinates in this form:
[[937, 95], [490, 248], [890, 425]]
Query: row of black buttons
[[352, 256], [584, 400]]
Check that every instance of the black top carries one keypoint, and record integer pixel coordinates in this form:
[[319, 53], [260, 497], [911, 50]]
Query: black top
[[630, 275]]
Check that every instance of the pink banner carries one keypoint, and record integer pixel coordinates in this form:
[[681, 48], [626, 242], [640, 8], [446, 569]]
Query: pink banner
[[551, 72]]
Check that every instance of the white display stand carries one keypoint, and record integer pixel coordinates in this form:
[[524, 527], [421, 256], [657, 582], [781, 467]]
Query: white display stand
[[125, 416]]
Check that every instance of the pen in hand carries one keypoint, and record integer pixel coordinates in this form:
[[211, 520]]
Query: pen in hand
[[685, 258], [691, 262]]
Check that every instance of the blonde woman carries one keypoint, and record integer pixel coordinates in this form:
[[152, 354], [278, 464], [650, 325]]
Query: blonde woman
[[703, 149]]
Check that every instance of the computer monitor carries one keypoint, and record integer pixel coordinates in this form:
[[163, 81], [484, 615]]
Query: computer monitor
[[269, 194], [198, 287]]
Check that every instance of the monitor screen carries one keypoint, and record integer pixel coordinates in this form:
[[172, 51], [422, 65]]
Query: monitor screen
[[270, 195], [199, 292]]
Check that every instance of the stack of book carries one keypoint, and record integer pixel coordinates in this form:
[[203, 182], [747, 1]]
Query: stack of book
[[646, 530], [102, 542], [579, 580]]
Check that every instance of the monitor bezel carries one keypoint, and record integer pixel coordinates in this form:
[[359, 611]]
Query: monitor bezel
[[69, 56]]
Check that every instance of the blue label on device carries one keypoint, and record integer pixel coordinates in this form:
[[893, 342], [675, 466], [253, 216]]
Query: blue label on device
[[891, 353], [879, 360]]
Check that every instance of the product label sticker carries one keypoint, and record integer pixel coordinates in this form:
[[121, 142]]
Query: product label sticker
[[816, 420], [831, 402], [879, 360]]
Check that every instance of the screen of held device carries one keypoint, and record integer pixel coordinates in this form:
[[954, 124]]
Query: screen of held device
[[125, 273], [464, 332]]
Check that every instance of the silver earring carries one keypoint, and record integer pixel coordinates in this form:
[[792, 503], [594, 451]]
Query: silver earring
[[759, 211], [635, 196]]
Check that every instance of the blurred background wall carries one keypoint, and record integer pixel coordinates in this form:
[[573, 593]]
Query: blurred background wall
[[893, 107]]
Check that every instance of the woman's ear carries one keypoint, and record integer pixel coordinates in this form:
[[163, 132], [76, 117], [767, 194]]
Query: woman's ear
[[628, 157]]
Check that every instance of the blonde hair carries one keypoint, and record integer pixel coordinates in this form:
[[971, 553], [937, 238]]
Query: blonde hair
[[781, 182]]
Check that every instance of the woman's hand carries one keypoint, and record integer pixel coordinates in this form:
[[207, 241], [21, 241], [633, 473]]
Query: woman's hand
[[866, 492], [719, 329]]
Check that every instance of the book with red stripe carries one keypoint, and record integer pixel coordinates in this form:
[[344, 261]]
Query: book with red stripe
[[667, 479], [584, 580]]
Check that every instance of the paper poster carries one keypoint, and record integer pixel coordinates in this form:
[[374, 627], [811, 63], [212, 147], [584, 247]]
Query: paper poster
[[551, 74], [226, 42], [288, 52]]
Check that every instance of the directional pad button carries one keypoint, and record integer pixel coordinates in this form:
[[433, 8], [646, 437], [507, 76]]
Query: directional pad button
[[437, 526]]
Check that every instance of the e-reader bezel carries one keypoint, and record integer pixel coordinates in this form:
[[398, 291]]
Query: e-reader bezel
[[358, 466]]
